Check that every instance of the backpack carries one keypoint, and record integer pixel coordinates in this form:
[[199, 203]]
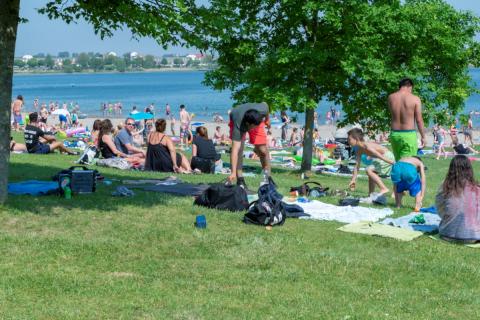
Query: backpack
[[88, 156], [223, 197], [204, 165], [306, 190], [269, 209]]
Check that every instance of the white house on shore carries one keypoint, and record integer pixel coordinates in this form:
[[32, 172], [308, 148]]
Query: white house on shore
[[195, 57], [26, 57]]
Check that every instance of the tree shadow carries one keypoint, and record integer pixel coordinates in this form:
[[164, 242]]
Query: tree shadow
[[100, 200]]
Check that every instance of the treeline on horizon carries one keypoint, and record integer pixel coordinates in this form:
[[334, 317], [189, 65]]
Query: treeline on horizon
[[81, 62]]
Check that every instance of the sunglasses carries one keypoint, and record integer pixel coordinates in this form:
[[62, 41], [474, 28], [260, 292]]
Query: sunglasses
[[130, 124]]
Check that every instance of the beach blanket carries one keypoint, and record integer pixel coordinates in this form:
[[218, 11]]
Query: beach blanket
[[175, 188], [118, 163], [33, 187], [432, 221], [376, 229], [470, 245], [346, 214]]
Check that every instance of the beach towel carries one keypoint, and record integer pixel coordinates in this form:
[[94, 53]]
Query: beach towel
[[432, 221], [346, 214], [376, 229], [33, 187]]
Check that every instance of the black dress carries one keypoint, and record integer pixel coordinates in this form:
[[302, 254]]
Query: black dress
[[105, 150], [158, 158]]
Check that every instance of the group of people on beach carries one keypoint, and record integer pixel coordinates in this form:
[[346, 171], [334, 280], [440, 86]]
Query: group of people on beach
[[457, 199]]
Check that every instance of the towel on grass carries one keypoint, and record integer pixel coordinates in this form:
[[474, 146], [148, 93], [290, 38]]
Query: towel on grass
[[376, 229], [33, 187], [347, 214], [470, 245], [432, 221], [178, 189]]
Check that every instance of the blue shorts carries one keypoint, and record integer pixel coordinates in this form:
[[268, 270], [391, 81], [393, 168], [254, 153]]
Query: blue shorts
[[413, 188], [42, 148], [17, 118], [62, 118], [404, 172]]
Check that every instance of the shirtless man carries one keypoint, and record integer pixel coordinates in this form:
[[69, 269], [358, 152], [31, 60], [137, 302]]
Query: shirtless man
[[17, 106], [185, 119], [406, 110]]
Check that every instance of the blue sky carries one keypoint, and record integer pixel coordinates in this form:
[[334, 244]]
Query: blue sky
[[51, 36]]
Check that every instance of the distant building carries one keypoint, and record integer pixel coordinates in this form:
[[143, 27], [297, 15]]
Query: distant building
[[27, 57], [134, 55], [112, 53], [195, 57]]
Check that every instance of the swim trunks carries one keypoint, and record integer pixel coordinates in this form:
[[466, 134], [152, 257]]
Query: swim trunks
[[413, 189], [381, 167], [404, 143], [17, 118], [257, 136]]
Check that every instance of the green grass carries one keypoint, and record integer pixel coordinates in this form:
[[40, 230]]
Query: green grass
[[102, 257]]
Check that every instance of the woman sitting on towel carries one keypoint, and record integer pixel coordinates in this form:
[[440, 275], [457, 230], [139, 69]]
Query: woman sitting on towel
[[161, 155], [458, 203], [107, 146], [204, 155]]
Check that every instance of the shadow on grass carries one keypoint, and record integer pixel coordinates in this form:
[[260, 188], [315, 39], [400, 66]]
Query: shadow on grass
[[42, 167]]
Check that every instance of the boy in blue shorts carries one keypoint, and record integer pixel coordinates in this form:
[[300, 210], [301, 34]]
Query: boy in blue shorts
[[408, 174]]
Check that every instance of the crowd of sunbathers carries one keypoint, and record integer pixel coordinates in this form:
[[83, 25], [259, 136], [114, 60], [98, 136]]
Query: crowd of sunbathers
[[457, 201]]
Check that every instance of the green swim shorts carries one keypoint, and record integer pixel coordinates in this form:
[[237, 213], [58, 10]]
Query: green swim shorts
[[382, 168], [404, 143]]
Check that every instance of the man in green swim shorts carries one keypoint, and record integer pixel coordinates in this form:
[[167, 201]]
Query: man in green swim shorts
[[406, 110]]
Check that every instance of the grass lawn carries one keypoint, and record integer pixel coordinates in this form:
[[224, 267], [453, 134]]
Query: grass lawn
[[102, 257]]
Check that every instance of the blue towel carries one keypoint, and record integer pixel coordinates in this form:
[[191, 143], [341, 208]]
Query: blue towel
[[33, 187], [432, 221], [431, 209]]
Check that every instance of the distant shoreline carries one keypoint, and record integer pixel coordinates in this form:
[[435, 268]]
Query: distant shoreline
[[34, 73]]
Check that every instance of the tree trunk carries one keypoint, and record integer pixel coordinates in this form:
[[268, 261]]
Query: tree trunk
[[308, 141], [9, 17]]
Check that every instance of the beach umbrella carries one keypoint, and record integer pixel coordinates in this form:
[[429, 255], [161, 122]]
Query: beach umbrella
[[141, 116]]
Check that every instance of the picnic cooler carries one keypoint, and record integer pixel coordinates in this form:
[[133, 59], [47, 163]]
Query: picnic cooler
[[82, 179]]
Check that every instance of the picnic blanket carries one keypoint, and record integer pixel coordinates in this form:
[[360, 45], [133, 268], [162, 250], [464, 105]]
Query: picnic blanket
[[174, 187], [432, 221], [33, 187], [118, 163], [376, 229], [347, 214]]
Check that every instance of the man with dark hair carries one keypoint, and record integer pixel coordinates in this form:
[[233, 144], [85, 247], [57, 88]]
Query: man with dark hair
[[406, 111], [251, 118], [32, 135], [124, 140]]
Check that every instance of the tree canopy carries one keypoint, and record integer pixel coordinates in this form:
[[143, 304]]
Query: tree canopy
[[294, 53]]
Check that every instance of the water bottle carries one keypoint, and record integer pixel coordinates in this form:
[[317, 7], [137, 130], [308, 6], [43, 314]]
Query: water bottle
[[68, 193]]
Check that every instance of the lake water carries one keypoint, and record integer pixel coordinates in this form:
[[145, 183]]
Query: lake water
[[142, 89]]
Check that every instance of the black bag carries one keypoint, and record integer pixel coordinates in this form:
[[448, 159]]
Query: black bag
[[223, 197], [349, 202], [204, 165], [306, 190], [268, 210]]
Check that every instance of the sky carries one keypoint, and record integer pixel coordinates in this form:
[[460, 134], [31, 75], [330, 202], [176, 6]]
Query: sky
[[41, 35]]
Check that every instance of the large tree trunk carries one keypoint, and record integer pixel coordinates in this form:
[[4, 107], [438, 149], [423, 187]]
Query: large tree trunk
[[308, 141], [9, 17]]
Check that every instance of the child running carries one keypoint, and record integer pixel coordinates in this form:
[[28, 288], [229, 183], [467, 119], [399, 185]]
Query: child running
[[441, 134], [408, 174], [381, 165]]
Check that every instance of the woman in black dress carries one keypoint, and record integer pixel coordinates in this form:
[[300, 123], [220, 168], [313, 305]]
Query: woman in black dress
[[204, 155], [161, 153]]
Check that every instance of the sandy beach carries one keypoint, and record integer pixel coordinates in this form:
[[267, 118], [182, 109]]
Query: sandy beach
[[325, 131]]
